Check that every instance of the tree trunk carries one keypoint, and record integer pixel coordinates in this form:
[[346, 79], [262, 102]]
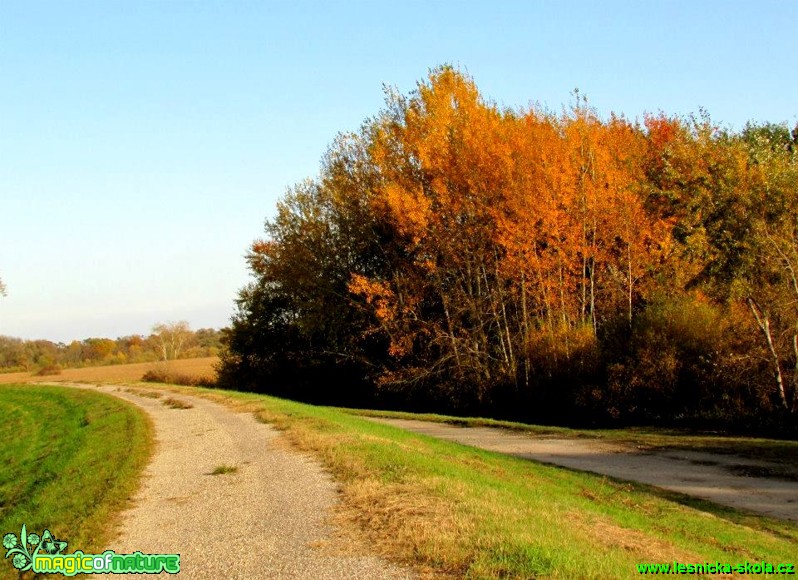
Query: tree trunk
[[763, 321]]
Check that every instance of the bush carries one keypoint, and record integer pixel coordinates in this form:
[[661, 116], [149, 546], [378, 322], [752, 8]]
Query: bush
[[683, 361], [175, 378], [48, 370], [676, 344]]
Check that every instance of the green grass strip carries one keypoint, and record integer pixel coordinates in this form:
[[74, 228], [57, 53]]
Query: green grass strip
[[70, 460]]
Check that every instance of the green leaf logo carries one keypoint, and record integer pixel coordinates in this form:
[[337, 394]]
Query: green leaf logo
[[23, 550]]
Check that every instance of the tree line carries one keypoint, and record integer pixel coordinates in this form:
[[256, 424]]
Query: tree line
[[559, 267], [167, 342]]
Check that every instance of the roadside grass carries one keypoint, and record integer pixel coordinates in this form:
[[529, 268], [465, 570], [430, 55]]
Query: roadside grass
[[456, 511], [783, 454], [71, 459]]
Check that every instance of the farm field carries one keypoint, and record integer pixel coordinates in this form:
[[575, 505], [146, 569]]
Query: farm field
[[118, 373], [70, 458]]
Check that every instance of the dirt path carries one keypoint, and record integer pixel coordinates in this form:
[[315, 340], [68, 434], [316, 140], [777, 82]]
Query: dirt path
[[699, 474], [265, 520]]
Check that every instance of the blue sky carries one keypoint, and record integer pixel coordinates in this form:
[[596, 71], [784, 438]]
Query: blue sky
[[144, 143]]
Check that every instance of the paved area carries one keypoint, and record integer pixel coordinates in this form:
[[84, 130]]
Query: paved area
[[703, 475]]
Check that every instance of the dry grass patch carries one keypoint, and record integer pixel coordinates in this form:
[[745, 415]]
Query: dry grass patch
[[15, 378], [613, 536], [224, 470], [173, 403], [144, 393], [403, 518]]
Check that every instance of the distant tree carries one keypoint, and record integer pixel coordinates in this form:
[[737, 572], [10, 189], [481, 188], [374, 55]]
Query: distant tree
[[207, 342], [98, 349], [12, 354], [2, 288], [172, 338]]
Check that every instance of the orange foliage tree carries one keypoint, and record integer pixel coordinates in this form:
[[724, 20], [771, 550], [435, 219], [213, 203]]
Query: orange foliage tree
[[458, 251]]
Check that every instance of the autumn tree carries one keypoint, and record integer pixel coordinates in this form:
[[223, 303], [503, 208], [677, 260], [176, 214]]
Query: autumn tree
[[296, 325], [767, 276], [456, 253], [172, 338], [443, 160]]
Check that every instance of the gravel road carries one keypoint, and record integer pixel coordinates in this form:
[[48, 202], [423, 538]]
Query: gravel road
[[268, 519], [700, 474]]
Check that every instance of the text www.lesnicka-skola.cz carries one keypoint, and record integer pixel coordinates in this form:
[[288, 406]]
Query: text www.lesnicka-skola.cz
[[716, 568]]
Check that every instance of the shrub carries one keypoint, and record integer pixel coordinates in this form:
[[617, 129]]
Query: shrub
[[175, 378], [48, 370]]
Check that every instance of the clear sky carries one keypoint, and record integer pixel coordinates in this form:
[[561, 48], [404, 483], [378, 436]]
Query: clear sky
[[144, 143]]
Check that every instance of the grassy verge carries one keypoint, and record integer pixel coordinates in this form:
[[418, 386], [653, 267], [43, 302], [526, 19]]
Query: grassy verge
[[456, 511], [70, 459]]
